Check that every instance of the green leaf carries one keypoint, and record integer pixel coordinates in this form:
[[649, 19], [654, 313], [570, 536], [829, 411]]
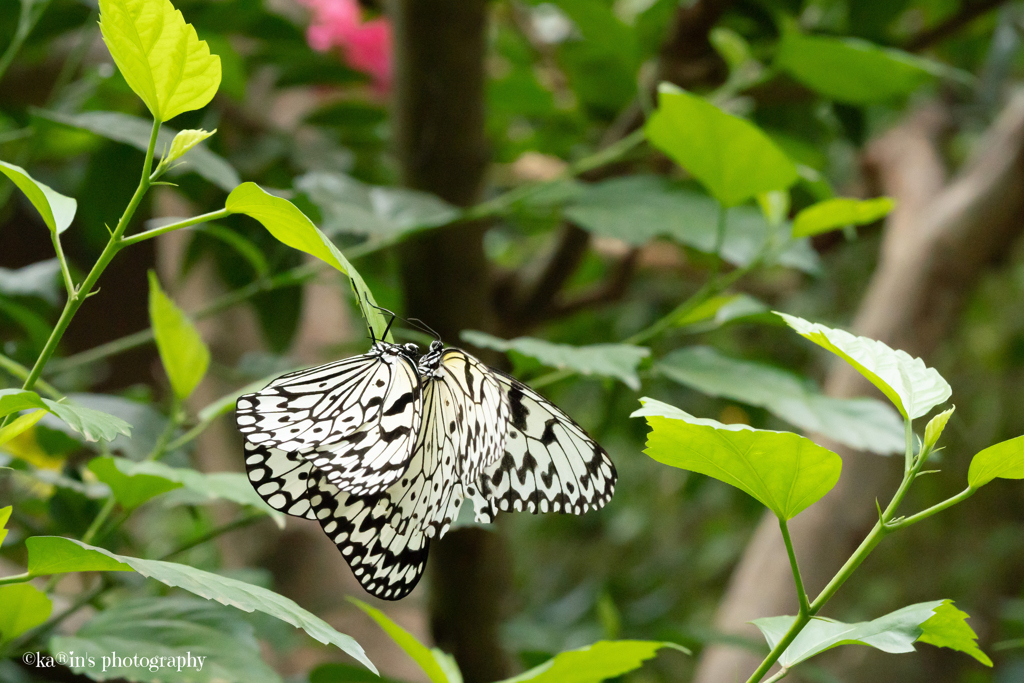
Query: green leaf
[[57, 210], [351, 207], [1004, 460], [860, 423], [182, 351], [184, 141], [55, 554], [833, 214], [913, 387], [21, 425], [135, 131], [619, 361], [24, 608], [948, 628], [894, 633], [784, 471], [92, 424], [15, 400], [935, 427], [637, 209], [5, 514], [290, 226], [720, 310], [345, 673], [131, 491], [854, 71], [199, 641], [595, 663], [420, 653], [731, 157], [159, 55]]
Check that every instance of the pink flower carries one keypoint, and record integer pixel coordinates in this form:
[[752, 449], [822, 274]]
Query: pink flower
[[365, 46]]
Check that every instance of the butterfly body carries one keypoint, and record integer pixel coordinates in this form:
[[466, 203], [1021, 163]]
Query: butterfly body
[[383, 448]]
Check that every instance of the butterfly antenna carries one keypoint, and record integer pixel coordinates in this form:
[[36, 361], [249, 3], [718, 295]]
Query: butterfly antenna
[[425, 327], [390, 322]]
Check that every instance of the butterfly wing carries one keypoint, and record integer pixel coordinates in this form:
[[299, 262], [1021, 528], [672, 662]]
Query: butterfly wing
[[549, 463], [356, 419], [280, 478], [387, 563]]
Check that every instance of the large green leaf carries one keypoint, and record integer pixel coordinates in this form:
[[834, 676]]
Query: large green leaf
[[160, 56], [55, 554], [1004, 460], [619, 361], [130, 491], [432, 661], [182, 351], [351, 207], [56, 210], [92, 424], [191, 641], [860, 423], [913, 387], [595, 663], [852, 70], [832, 214], [290, 226], [732, 158], [24, 608], [135, 131], [14, 400], [640, 208], [784, 471], [936, 622]]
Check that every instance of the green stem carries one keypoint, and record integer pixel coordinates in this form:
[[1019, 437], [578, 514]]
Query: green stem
[[908, 456], [113, 246], [21, 372], [801, 594], [69, 284], [778, 677], [780, 647], [155, 232], [719, 239], [925, 514], [16, 578], [104, 513]]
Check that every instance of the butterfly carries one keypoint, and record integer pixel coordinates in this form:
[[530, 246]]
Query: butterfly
[[383, 448]]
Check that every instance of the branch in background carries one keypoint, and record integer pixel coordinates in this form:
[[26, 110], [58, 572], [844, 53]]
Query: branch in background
[[612, 289], [967, 13]]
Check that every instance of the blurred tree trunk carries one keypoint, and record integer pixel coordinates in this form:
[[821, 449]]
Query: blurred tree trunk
[[438, 119], [938, 242]]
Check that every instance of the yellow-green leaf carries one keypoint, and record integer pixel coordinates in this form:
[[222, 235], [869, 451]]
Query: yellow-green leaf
[[24, 608], [290, 226], [935, 427], [948, 628], [420, 653], [833, 214], [56, 210], [5, 514], [1002, 461], [20, 425], [184, 141], [159, 55], [182, 351]]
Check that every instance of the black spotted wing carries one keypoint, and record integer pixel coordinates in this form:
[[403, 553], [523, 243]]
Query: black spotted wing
[[550, 464]]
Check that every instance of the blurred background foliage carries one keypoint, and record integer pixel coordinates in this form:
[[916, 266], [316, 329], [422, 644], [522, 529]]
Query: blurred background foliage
[[564, 79]]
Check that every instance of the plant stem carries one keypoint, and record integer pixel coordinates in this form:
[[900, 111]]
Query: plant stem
[[113, 246], [801, 594], [16, 578], [69, 284], [779, 676], [101, 517], [155, 232], [908, 456], [160, 447], [21, 372], [925, 514]]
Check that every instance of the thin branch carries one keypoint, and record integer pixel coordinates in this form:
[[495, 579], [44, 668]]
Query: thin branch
[[967, 13]]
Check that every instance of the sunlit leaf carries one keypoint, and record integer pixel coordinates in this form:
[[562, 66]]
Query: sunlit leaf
[[159, 55], [785, 472], [56, 210], [860, 423], [935, 427], [936, 622], [206, 643], [55, 554], [731, 157], [135, 131], [1004, 460], [92, 424], [15, 400], [184, 355], [5, 514], [913, 387], [420, 653], [854, 71], [290, 226], [20, 425], [24, 608], [184, 141], [595, 663], [720, 310], [131, 491], [833, 214], [619, 361]]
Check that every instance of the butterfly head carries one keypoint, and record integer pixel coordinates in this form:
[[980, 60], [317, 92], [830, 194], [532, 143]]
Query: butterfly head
[[431, 360]]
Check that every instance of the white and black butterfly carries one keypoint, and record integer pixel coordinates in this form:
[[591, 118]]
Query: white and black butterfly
[[383, 448]]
